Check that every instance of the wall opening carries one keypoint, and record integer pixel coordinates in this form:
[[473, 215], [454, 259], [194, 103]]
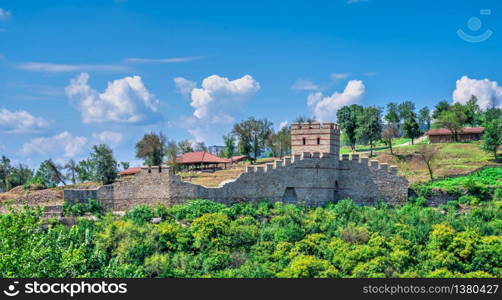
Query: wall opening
[[304, 141], [318, 141], [290, 195], [335, 192]]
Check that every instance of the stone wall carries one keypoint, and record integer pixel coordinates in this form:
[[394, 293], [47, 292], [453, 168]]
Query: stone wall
[[310, 178], [79, 196], [315, 137], [366, 182]]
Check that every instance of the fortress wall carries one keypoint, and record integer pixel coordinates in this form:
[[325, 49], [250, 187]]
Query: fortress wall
[[309, 178], [366, 182], [79, 196]]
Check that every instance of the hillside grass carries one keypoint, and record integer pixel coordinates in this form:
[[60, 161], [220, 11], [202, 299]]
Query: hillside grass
[[452, 159], [481, 182], [379, 146]]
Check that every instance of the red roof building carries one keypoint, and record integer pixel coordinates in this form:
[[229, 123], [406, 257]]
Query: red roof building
[[238, 158], [444, 135], [200, 158], [130, 171]]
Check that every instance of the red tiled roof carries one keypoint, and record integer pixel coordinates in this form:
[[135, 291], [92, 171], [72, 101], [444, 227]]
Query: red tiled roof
[[200, 157], [130, 171], [238, 158], [445, 131]]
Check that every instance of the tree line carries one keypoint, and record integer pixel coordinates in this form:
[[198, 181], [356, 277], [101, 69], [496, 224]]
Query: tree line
[[368, 125], [256, 138], [252, 138], [100, 166]]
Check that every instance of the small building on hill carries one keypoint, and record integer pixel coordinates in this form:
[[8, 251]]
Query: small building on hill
[[238, 158], [215, 150], [201, 160], [130, 171], [444, 135]]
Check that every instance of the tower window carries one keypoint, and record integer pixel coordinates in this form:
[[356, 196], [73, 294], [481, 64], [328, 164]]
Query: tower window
[[318, 141], [304, 141]]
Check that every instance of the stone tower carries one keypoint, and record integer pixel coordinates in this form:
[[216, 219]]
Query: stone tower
[[315, 137]]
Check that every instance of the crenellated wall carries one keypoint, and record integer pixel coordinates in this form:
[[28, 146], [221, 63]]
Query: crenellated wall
[[307, 178]]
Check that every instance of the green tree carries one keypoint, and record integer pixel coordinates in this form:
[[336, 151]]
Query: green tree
[[453, 119], [253, 135], [200, 147], [50, 173], [491, 114], [389, 133], [472, 112], [392, 115], [492, 137], [211, 231], [308, 266], [229, 141], [125, 165], [20, 175], [411, 128], [185, 146], [440, 108], [370, 126], [405, 109], [349, 117], [105, 163], [172, 151], [279, 142], [86, 170], [424, 118], [151, 148], [5, 171], [71, 171]]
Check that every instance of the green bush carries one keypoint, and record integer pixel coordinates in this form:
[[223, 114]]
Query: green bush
[[205, 239], [140, 214], [92, 207]]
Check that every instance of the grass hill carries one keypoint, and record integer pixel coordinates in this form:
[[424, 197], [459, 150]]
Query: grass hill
[[452, 159]]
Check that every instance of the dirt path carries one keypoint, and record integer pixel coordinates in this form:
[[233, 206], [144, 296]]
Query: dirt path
[[423, 137]]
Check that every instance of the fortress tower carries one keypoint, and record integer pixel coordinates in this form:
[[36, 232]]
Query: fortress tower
[[315, 137]]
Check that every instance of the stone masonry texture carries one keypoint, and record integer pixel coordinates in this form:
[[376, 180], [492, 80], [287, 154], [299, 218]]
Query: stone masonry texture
[[315, 174]]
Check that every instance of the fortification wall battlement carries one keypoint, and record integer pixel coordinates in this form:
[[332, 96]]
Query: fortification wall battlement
[[321, 159], [314, 174]]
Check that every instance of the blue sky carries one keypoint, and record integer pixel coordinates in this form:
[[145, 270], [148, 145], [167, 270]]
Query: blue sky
[[77, 73]]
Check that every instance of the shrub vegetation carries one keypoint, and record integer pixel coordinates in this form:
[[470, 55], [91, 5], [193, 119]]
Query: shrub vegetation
[[207, 239]]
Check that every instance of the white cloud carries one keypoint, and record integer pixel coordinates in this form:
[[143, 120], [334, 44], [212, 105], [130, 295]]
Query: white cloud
[[171, 60], [20, 121], [338, 76], [108, 137], [302, 84], [215, 105], [59, 68], [489, 93], [324, 108], [5, 14], [283, 124], [184, 86], [125, 100], [218, 95], [64, 143]]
